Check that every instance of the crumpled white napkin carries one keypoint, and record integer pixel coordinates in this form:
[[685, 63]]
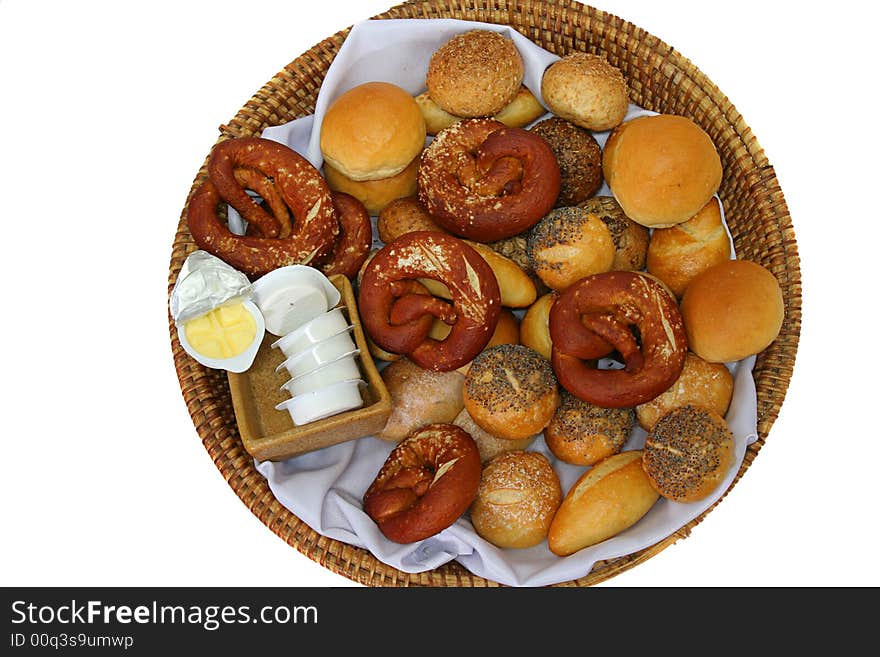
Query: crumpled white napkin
[[324, 488]]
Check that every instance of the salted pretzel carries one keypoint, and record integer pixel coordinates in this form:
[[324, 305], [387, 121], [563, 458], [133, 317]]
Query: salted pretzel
[[285, 178], [399, 321], [352, 245], [484, 181], [427, 482], [623, 312]]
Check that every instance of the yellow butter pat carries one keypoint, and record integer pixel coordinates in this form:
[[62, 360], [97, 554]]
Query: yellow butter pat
[[224, 332]]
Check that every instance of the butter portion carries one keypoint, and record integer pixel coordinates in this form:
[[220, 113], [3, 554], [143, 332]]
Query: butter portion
[[224, 332]]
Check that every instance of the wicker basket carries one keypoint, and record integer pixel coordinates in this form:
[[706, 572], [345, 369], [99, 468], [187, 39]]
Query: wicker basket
[[660, 79]]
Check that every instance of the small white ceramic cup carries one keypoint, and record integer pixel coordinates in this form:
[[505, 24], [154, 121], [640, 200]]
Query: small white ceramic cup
[[290, 296], [319, 328], [343, 368], [324, 402]]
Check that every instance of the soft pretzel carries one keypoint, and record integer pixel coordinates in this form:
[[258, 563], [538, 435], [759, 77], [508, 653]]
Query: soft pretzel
[[352, 245], [596, 316], [399, 321], [284, 178], [427, 482], [484, 181]]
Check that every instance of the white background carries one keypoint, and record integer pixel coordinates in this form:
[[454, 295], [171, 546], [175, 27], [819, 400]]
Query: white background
[[107, 110]]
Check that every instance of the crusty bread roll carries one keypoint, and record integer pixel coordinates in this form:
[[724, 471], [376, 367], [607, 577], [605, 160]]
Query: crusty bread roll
[[579, 157], [534, 328], [476, 73], [506, 332], [700, 383], [662, 169], [610, 497], [419, 397], [688, 453], [519, 112], [511, 391], [732, 310], [630, 239], [404, 215], [518, 495], [568, 244], [582, 433], [375, 194], [586, 90], [678, 253], [372, 131], [490, 446]]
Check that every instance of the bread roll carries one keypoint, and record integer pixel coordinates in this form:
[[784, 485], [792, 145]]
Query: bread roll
[[630, 239], [519, 112], [687, 454], [610, 497], [476, 73], [568, 244], [709, 385], [419, 397], [372, 131], [582, 433], [518, 495], [404, 215], [490, 446], [662, 169], [586, 90], [534, 328], [678, 253], [732, 310], [579, 157], [511, 391], [375, 194]]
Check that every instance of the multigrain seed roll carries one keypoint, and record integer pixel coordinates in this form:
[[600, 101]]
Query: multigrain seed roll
[[511, 391], [583, 434], [579, 156], [688, 453], [568, 244], [518, 495], [631, 240], [700, 383], [477, 73]]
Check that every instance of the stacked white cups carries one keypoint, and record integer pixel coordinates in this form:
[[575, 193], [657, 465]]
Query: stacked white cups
[[315, 336]]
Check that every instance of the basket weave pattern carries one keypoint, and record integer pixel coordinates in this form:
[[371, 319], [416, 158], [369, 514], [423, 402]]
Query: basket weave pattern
[[659, 79]]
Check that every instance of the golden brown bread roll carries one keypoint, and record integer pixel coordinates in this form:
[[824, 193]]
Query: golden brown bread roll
[[518, 495], [404, 215], [476, 73], [568, 244], [519, 112], [662, 169], [585, 89], [700, 383], [372, 131], [630, 239], [534, 328], [678, 253], [511, 391], [490, 446], [732, 310], [375, 194], [582, 433], [688, 453], [419, 397], [610, 497], [579, 157]]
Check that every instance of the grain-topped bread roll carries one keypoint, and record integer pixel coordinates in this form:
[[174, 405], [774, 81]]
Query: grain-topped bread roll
[[678, 253], [579, 156], [372, 131], [630, 239], [586, 90], [732, 310], [688, 452], [662, 169], [518, 495], [700, 383], [419, 397], [511, 391], [476, 73], [582, 433], [610, 497]]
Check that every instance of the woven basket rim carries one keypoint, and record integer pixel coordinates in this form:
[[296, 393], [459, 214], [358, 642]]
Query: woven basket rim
[[203, 389]]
